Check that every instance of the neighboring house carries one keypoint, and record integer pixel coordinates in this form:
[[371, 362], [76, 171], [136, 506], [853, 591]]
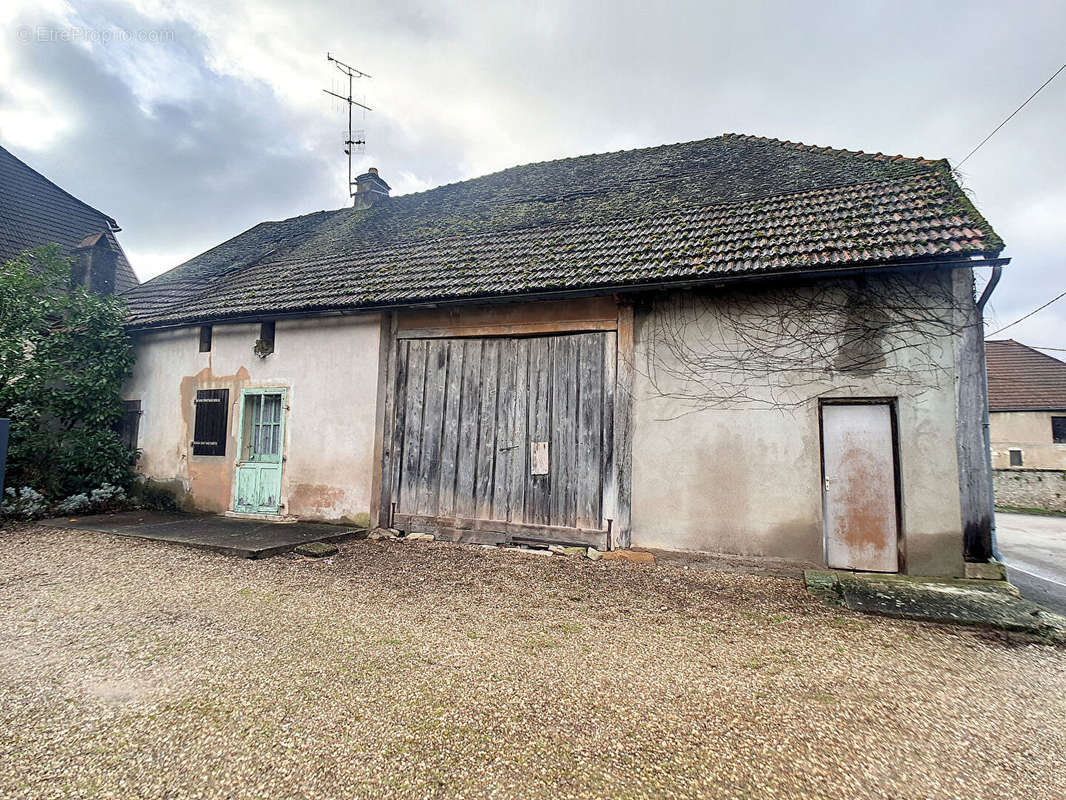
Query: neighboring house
[[612, 350], [1027, 416], [34, 212]]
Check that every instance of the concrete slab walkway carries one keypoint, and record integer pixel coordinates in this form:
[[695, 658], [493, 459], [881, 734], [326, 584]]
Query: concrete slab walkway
[[245, 538]]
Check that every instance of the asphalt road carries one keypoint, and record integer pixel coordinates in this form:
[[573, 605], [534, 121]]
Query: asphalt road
[[1034, 549]]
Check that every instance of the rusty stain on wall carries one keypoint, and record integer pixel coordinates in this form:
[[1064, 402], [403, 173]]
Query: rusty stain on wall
[[312, 499], [210, 477], [867, 525]]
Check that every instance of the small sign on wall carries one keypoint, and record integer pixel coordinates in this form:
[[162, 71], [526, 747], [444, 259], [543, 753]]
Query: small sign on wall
[[538, 458]]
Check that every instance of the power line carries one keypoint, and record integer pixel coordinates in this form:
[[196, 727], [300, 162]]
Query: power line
[[1022, 319], [1038, 347], [1008, 119]]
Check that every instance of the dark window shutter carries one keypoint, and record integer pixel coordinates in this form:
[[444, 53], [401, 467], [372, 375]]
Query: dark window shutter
[[212, 412], [1058, 430], [1016, 458], [266, 336], [130, 423]]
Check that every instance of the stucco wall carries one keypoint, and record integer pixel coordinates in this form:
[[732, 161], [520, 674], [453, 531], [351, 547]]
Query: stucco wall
[[745, 478], [1043, 489], [329, 367], [1030, 432]]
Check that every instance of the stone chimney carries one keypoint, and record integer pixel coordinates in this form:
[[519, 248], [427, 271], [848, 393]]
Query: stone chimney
[[95, 262], [370, 189]]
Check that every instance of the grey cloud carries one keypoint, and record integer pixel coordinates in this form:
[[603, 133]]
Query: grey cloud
[[461, 88]]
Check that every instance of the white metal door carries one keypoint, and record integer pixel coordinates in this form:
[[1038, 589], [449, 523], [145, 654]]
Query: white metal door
[[859, 487]]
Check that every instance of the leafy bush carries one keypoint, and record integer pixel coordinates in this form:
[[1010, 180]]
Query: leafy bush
[[75, 504], [64, 355], [28, 504], [107, 497], [24, 503]]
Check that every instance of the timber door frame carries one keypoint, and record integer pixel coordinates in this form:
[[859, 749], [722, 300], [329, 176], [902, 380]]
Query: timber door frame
[[897, 469], [617, 491], [240, 460]]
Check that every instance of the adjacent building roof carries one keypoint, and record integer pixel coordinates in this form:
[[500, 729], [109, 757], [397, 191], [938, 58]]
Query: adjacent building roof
[[34, 212], [1023, 379], [702, 210]]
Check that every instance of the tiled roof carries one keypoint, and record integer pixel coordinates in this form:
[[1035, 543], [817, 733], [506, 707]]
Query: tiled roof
[[34, 211], [1023, 379], [696, 211]]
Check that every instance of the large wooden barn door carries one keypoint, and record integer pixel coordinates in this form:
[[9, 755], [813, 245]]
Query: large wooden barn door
[[504, 439]]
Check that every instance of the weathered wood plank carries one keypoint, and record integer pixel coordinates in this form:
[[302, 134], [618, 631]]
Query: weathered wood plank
[[538, 494], [589, 463], [432, 419], [509, 329], [412, 437], [608, 470], [469, 405], [486, 456], [623, 425], [562, 432], [399, 427], [450, 429], [465, 536], [518, 466], [505, 407], [513, 531], [389, 464], [383, 418], [510, 319]]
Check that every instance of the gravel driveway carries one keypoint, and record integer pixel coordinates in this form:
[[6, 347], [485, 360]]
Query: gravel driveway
[[133, 669]]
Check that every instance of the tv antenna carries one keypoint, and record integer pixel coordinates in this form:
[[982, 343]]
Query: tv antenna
[[351, 141]]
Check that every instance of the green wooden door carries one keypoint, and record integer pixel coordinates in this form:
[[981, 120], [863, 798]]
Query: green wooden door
[[259, 461]]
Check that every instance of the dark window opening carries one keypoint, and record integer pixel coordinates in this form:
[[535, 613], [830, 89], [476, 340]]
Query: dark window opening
[[209, 428], [1058, 430], [1015, 458], [205, 338], [265, 345], [129, 424]]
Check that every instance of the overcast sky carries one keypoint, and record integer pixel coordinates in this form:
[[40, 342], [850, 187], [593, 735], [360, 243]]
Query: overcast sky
[[192, 120]]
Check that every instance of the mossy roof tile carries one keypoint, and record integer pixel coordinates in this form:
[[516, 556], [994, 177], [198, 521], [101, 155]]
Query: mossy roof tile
[[698, 210]]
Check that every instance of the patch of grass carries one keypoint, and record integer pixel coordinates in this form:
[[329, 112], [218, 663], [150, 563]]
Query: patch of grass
[[567, 627]]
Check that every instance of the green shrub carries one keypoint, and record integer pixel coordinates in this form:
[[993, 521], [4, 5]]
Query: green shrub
[[64, 355]]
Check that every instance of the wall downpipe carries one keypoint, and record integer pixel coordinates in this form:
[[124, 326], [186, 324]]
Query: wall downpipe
[[987, 293]]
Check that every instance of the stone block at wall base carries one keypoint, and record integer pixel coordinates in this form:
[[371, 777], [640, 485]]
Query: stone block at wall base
[[986, 571]]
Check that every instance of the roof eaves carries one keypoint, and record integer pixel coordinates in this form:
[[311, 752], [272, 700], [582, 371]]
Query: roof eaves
[[950, 261]]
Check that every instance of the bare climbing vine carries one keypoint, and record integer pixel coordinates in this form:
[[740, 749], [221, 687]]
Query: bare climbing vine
[[782, 346]]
